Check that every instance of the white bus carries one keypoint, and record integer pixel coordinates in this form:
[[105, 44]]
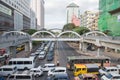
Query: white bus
[[23, 63]]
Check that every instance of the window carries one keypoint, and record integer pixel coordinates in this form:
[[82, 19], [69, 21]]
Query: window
[[19, 62], [23, 77], [7, 69], [27, 62]]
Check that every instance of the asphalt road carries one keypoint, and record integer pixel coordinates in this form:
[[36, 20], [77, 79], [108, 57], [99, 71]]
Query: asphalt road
[[63, 50]]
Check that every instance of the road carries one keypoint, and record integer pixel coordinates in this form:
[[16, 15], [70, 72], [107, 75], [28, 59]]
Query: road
[[63, 50]]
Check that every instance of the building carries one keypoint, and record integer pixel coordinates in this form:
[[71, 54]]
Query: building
[[14, 15], [38, 7], [109, 16], [72, 13], [89, 19]]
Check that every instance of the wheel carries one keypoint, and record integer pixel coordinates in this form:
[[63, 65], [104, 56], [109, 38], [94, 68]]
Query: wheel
[[37, 75]]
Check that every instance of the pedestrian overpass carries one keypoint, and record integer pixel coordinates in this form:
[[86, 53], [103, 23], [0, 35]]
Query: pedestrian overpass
[[49, 36]]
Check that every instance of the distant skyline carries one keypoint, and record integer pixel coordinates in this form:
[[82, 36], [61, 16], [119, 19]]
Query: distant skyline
[[55, 11]]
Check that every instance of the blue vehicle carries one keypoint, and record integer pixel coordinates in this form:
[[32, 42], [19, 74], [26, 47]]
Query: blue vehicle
[[50, 57], [2, 78]]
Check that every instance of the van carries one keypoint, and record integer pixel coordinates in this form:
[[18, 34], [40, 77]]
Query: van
[[25, 75], [7, 70], [23, 63]]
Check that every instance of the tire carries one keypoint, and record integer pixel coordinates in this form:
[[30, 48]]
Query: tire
[[37, 75]]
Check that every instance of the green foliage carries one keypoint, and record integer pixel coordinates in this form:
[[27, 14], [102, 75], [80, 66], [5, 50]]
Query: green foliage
[[31, 31], [69, 26], [81, 30], [107, 32]]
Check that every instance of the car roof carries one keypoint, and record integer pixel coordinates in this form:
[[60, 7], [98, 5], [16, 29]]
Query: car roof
[[61, 75], [79, 65], [111, 67], [49, 64], [60, 68], [34, 69]]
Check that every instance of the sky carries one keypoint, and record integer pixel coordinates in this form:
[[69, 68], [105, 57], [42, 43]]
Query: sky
[[55, 11]]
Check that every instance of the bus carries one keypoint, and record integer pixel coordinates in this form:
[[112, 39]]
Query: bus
[[23, 63], [102, 61]]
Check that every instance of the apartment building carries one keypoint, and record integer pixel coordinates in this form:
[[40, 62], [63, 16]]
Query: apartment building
[[89, 19]]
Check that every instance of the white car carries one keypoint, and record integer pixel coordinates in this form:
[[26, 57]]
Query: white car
[[107, 70], [36, 72], [111, 76], [48, 67], [42, 55], [57, 70]]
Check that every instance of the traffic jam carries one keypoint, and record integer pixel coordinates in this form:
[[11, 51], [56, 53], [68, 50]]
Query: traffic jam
[[42, 62]]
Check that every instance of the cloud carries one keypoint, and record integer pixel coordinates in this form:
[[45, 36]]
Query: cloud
[[55, 10]]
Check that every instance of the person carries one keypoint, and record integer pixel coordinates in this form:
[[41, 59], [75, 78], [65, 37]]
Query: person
[[58, 63]]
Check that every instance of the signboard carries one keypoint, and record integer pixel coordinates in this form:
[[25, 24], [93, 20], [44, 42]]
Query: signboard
[[118, 18], [5, 10]]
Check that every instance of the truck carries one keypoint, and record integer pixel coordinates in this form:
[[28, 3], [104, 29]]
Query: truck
[[85, 68]]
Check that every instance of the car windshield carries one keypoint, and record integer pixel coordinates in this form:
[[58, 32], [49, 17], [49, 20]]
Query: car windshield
[[109, 76], [104, 69], [52, 70], [116, 77]]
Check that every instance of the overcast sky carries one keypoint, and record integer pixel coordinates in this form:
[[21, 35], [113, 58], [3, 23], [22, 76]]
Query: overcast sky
[[55, 11]]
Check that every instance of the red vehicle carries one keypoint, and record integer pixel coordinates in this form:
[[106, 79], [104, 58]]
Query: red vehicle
[[2, 51]]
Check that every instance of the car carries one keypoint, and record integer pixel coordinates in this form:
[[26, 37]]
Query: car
[[87, 76], [25, 75], [42, 55], [107, 70], [48, 66], [50, 57], [63, 76], [36, 72], [57, 70], [112, 76]]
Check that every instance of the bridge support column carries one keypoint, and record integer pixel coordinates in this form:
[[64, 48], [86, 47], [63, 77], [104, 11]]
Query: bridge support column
[[12, 51], [84, 47], [106, 49], [80, 46], [116, 50], [30, 45], [27, 47]]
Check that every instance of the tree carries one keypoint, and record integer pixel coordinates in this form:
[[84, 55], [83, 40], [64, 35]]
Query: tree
[[69, 26], [107, 32], [31, 31], [81, 30]]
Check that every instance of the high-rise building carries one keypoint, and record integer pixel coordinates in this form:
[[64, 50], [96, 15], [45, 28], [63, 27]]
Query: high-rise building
[[15, 15], [38, 7], [109, 16], [89, 19], [72, 12]]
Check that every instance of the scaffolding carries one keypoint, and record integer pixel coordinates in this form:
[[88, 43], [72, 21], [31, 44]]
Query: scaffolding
[[109, 12]]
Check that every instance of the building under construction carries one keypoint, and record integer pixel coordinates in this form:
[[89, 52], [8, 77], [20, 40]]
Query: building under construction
[[109, 18]]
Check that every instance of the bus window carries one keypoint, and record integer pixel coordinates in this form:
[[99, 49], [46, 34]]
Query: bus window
[[20, 62], [27, 62]]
